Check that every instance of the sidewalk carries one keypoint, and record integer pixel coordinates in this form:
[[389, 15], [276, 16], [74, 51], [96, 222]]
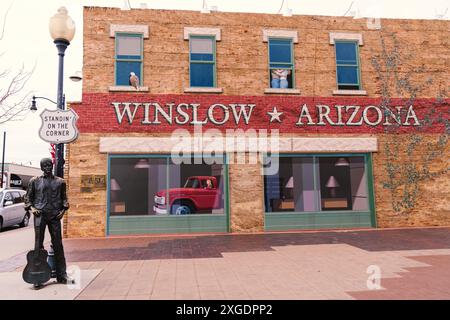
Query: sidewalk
[[412, 263]]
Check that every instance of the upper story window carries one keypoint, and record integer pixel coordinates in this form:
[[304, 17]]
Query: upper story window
[[281, 63], [128, 58], [128, 55], [280, 44], [348, 73], [202, 61], [347, 65]]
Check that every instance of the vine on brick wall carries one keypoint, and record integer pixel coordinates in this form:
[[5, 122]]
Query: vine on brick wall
[[409, 157]]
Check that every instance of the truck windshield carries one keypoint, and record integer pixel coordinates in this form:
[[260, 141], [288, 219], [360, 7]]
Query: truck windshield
[[192, 183]]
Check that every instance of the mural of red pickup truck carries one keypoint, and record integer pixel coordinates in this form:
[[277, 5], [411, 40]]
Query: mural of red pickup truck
[[200, 194]]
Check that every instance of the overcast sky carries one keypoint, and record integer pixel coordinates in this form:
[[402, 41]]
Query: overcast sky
[[27, 42]]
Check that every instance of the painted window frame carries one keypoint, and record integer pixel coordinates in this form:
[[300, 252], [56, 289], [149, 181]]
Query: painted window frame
[[269, 38], [118, 34], [358, 64], [214, 63]]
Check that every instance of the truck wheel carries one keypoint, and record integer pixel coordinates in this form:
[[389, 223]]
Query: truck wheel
[[181, 209]]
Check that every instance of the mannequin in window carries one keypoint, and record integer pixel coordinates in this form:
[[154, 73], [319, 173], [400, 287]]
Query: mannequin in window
[[279, 78]]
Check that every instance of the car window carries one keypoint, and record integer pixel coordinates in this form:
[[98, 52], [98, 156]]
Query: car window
[[205, 184], [209, 184], [17, 197], [192, 183], [8, 197]]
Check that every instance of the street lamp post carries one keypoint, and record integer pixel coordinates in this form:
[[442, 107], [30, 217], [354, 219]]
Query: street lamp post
[[62, 30]]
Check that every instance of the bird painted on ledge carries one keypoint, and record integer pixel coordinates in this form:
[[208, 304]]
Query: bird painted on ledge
[[134, 80]]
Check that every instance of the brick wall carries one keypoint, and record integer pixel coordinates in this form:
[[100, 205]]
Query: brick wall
[[87, 216], [424, 48], [97, 113], [242, 55]]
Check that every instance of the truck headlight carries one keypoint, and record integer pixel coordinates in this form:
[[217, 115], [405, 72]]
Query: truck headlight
[[160, 200]]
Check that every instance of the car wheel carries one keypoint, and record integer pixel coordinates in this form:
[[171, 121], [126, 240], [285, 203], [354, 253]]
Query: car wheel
[[181, 209], [1, 224], [25, 221]]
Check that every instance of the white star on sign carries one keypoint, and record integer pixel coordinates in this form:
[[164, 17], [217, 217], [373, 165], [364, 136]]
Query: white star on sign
[[275, 115]]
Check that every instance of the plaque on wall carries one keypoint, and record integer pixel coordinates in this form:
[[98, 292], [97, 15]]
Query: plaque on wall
[[92, 182], [100, 181]]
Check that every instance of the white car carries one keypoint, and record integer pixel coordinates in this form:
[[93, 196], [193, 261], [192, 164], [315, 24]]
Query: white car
[[12, 208]]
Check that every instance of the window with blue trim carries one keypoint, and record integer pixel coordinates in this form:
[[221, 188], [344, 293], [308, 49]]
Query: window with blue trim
[[281, 65], [128, 58], [347, 65], [202, 57]]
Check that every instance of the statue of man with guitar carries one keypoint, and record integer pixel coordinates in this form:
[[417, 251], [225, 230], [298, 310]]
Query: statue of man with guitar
[[46, 199]]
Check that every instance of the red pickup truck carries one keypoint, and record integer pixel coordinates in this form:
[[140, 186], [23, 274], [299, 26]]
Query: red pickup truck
[[199, 194]]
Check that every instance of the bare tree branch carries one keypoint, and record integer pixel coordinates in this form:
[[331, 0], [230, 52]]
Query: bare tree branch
[[14, 104], [4, 21], [13, 101]]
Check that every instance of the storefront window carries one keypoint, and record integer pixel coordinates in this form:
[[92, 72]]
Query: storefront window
[[161, 186], [134, 183], [313, 184], [343, 184], [292, 188]]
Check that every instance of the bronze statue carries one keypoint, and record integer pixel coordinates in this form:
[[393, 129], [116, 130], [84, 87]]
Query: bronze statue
[[46, 198]]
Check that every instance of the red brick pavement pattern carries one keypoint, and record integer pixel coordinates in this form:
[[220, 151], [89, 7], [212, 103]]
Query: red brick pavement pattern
[[212, 246], [414, 264], [430, 283]]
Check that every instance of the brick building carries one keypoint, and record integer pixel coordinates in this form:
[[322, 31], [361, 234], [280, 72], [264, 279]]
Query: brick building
[[338, 123]]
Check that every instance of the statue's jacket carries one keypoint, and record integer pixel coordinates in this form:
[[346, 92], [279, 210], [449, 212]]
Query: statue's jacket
[[47, 194]]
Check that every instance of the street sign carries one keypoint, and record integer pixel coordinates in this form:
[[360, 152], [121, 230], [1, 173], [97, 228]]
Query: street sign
[[15, 181], [58, 126]]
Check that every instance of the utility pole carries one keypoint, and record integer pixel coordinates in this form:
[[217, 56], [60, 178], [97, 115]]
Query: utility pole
[[3, 158]]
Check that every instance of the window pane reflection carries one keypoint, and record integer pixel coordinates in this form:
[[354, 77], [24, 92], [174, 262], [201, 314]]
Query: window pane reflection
[[343, 184], [195, 187], [292, 188]]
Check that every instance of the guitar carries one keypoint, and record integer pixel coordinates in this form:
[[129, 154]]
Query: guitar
[[37, 270]]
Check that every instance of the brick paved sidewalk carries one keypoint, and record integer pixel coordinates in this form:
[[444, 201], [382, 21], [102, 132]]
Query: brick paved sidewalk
[[413, 263]]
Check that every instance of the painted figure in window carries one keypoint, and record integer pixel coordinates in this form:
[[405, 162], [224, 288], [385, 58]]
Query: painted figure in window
[[209, 184], [279, 78]]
